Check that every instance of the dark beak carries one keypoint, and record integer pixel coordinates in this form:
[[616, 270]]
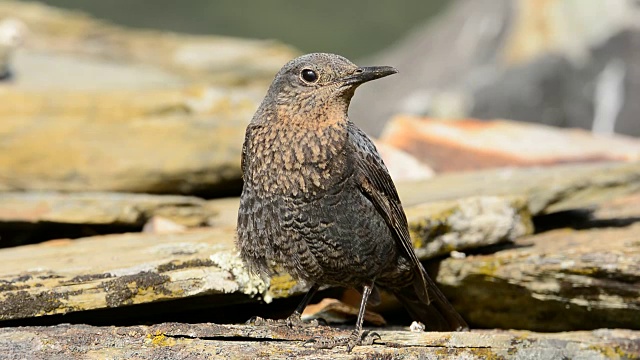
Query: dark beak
[[364, 74]]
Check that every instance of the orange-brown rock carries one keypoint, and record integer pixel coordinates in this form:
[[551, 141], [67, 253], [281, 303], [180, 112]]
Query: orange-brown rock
[[470, 144]]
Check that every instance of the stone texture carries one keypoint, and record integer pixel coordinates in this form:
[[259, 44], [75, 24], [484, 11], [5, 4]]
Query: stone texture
[[145, 141], [438, 228], [401, 165], [101, 272], [471, 144], [161, 225], [546, 190], [152, 267], [95, 107], [102, 208], [622, 208], [63, 276], [553, 281], [197, 341], [557, 62]]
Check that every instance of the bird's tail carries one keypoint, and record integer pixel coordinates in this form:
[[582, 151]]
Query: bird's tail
[[436, 312]]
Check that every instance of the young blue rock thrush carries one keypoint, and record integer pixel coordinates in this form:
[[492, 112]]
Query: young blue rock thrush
[[318, 202]]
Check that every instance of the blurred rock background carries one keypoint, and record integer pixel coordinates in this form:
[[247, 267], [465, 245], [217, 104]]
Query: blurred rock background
[[511, 132], [350, 29], [559, 62]]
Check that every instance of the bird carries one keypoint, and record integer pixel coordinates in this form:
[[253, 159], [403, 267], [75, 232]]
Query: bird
[[319, 204]]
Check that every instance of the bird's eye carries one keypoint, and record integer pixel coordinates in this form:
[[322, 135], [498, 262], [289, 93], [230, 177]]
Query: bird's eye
[[309, 75]]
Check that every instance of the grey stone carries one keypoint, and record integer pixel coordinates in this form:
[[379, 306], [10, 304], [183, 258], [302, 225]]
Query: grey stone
[[195, 341], [558, 280], [519, 60]]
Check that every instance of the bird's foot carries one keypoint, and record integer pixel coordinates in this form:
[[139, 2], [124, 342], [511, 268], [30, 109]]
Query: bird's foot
[[355, 339], [293, 321]]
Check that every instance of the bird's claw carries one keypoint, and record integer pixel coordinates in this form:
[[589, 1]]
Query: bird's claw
[[351, 341], [295, 321], [369, 337]]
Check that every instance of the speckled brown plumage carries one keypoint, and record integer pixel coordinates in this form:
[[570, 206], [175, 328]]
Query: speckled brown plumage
[[318, 202]]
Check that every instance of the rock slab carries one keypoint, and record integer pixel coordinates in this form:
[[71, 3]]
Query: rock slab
[[97, 107], [102, 208], [103, 272], [553, 281], [197, 341], [472, 144], [527, 60]]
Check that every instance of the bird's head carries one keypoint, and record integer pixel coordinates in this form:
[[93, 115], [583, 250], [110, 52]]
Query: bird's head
[[320, 82]]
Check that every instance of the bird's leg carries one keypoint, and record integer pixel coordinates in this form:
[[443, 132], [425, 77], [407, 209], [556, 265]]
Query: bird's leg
[[357, 337], [295, 319]]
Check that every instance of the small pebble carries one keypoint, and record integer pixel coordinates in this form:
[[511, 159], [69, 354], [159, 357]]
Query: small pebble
[[417, 326]]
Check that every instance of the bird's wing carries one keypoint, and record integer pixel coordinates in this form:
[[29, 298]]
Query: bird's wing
[[376, 184], [245, 147]]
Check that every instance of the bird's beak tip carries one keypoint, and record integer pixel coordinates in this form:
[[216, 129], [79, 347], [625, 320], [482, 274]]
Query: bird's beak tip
[[368, 73], [377, 72]]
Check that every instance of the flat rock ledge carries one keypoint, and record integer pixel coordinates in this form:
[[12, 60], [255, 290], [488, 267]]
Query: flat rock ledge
[[559, 280], [101, 208], [199, 341]]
